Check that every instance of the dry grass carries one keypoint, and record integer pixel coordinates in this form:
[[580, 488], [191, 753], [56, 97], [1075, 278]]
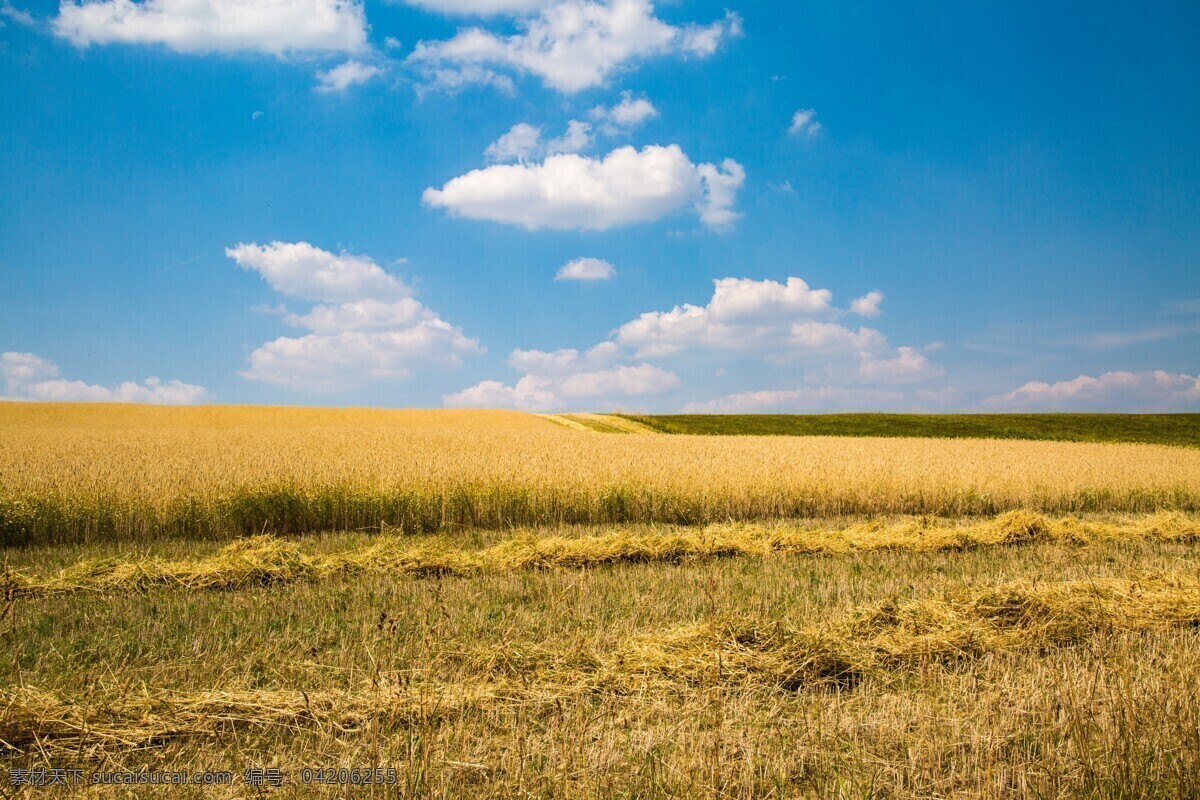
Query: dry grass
[[1037, 669], [103, 473], [262, 560], [729, 652]]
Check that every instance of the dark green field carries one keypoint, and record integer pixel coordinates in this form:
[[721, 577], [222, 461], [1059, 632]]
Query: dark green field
[[1179, 429]]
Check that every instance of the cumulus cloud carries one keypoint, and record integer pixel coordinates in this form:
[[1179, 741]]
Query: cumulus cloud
[[781, 322], [905, 365], [452, 80], [362, 315], [628, 113], [868, 304], [784, 323], [578, 137], [742, 314], [573, 192], [481, 8], [364, 328], [1155, 390], [343, 76], [598, 389], [351, 359], [586, 269], [804, 400], [523, 143], [276, 27], [804, 124], [31, 377], [721, 185], [832, 338], [565, 379], [574, 44], [298, 269]]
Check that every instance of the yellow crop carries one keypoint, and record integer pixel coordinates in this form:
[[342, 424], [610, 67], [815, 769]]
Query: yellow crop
[[91, 472]]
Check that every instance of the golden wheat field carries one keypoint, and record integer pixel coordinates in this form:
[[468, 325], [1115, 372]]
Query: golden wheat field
[[489, 604], [83, 473]]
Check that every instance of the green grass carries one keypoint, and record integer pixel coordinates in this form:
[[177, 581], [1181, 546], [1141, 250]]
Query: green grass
[[1176, 429]]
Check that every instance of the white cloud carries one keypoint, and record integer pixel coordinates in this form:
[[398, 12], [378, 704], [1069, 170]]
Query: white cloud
[[715, 205], [351, 359], [805, 400], [906, 365], [563, 362], [868, 304], [804, 124], [742, 314], [603, 388], [1156, 390], [570, 191], [577, 138], [481, 8], [586, 269], [31, 377], [17, 15], [343, 76], [362, 315], [831, 338], [782, 322], [568, 379], [452, 80], [276, 27], [522, 143], [365, 329], [574, 44], [628, 113], [740, 298], [300, 270]]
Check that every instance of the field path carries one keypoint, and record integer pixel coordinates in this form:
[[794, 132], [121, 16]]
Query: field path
[[604, 423]]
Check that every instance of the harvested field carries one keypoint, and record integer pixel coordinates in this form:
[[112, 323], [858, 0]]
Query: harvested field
[[499, 605]]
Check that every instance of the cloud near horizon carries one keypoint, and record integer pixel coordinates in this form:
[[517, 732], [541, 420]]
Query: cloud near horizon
[[781, 322], [1149, 390], [365, 327], [30, 377], [567, 380], [788, 322]]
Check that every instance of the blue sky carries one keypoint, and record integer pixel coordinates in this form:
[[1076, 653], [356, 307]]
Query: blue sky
[[598, 204]]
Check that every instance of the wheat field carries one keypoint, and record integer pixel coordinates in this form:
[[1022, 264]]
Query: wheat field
[[71, 473], [496, 605]]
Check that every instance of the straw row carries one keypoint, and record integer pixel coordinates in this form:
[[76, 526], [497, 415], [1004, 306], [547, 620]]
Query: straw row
[[262, 560]]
